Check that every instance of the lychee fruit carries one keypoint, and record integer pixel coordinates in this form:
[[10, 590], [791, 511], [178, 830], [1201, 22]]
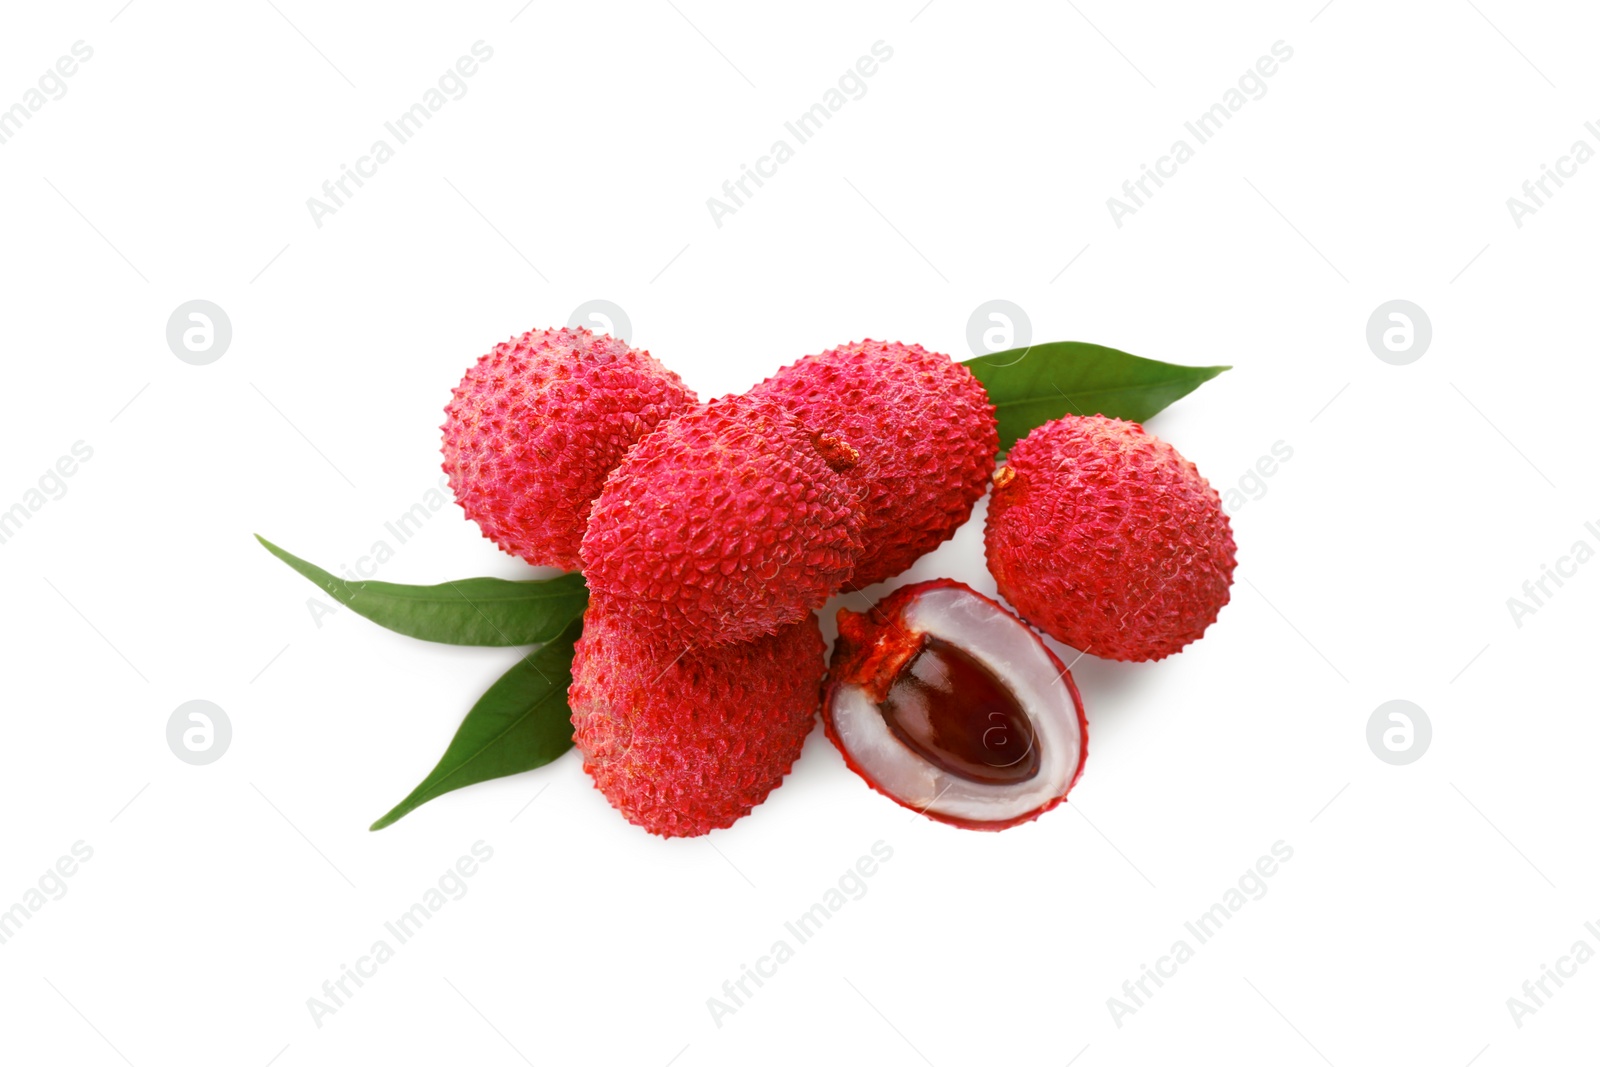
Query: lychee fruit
[[926, 433], [1108, 540], [536, 426], [725, 524], [683, 744], [950, 705]]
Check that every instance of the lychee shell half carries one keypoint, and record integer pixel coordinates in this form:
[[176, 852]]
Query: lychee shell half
[[1108, 540], [926, 433], [683, 745], [538, 423], [726, 524], [879, 646]]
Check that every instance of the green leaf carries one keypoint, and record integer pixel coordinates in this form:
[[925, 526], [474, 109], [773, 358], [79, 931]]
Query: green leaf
[[520, 723], [475, 611], [1031, 386]]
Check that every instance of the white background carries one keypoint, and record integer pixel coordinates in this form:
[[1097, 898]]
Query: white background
[[1376, 565]]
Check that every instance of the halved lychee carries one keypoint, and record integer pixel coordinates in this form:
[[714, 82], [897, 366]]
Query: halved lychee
[[950, 705]]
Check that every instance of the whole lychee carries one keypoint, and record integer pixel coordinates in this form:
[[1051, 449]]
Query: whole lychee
[[536, 426], [926, 433], [683, 744], [1108, 540], [725, 524], [950, 705]]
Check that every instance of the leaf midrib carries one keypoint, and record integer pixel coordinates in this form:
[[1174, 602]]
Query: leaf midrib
[[1110, 390], [446, 592]]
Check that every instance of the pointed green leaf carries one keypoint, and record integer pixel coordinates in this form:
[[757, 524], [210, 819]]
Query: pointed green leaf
[[474, 611], [1031, 386], [520, 723]]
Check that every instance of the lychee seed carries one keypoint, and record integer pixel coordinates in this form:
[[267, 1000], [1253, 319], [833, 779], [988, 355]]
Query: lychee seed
[[955, 713]]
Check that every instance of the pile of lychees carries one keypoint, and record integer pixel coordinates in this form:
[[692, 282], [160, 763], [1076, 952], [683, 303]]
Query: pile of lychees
[[709, 534]]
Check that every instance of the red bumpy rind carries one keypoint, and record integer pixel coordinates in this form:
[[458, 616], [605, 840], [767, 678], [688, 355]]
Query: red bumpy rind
[[926, 433], [683, 744], [537, 424], [1108, 540], [726, 524]]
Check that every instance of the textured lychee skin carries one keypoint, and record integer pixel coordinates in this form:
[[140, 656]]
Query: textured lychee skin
[[1109, 540], [926, 432], [725, 524], [871, 649], [683, 746], [536, 426]]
